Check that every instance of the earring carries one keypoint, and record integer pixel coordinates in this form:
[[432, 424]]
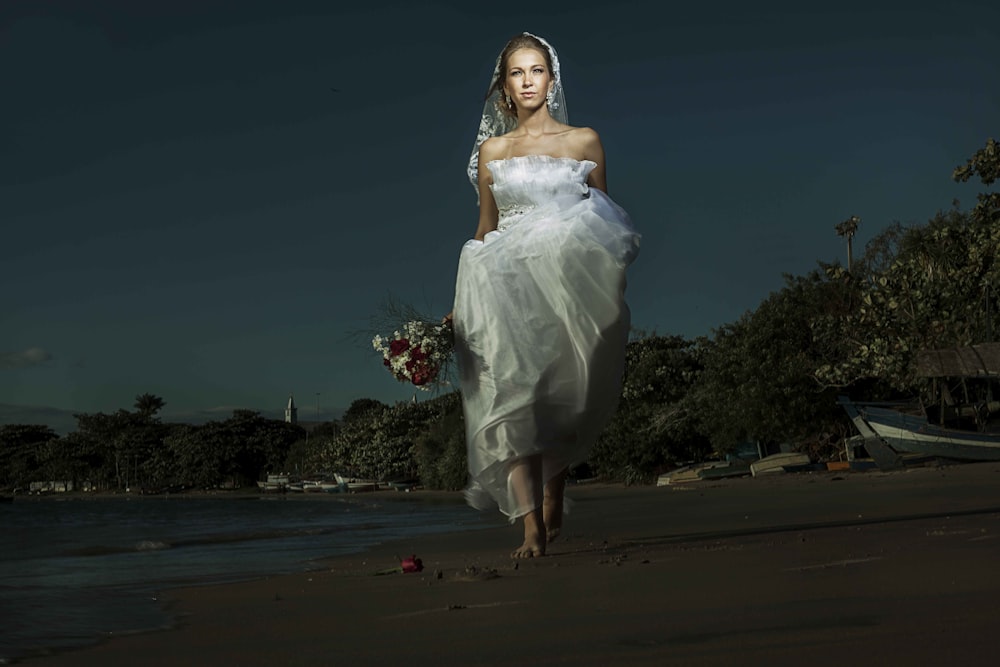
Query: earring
[[550, 100], [510, 105]]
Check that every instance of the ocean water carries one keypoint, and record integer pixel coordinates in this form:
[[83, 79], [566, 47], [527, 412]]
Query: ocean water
[[77, 569]]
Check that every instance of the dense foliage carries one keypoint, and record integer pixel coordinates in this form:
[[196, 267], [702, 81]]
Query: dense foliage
[[135, 451], [654, 426], [771, 376]]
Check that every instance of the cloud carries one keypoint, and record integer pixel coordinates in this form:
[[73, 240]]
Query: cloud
[[33, 356]]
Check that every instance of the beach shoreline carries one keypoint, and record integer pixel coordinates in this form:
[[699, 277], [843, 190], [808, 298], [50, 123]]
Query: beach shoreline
[[818, 567]]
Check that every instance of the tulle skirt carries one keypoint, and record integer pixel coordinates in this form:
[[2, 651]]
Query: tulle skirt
[[541, 326]]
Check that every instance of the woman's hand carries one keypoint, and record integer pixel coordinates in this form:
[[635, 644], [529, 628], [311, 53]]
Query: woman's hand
[[447, 319]]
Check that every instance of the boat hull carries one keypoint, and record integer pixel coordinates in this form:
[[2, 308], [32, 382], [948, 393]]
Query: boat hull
[[778, 463], [913, 434]]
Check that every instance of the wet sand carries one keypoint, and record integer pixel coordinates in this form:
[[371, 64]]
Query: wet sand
[[857, 568]]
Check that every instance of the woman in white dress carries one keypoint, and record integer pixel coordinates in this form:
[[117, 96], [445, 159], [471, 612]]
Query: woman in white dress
[[540, 318]]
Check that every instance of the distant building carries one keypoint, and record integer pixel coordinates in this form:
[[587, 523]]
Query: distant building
[[291, 412]]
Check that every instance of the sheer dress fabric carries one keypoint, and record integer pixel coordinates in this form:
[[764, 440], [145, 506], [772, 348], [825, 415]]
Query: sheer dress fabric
[[541, 325]]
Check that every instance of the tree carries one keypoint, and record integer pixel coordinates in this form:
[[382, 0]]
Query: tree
[[360, 408], [924, 287], [758, 381], [379, 441], [257, 445], [936, 292], [441, 454], [124, 442], [985, 164], [847, 229], [24, 451], [653, 425], [195, 456], [148, 405]]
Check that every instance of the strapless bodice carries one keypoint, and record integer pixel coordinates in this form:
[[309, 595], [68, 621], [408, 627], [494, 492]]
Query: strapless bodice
[[521, 184]]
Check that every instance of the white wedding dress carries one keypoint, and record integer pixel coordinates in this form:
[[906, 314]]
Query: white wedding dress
[[540, 324]]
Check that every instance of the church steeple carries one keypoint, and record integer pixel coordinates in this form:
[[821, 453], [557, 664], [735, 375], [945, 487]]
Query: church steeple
[[291, 412]]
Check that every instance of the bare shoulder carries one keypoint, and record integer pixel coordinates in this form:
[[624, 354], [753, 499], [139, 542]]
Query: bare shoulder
[[492, 149], [586, 137], [587, 143]]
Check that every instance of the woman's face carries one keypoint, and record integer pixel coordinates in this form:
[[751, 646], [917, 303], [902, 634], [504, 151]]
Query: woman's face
[[527, 79]]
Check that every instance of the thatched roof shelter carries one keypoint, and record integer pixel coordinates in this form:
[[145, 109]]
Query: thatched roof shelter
[[981, 360]]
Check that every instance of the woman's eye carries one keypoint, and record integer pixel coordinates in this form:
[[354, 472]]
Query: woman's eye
[[538, 70]]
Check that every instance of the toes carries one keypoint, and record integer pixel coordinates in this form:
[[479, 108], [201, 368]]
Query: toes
[[527, 552]]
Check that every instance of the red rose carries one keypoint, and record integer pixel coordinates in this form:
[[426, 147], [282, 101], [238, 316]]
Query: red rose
[[397, 347], [426, 374], [411, 564]]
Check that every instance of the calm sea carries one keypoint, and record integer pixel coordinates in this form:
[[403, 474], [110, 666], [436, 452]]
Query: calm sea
[[77, 569]]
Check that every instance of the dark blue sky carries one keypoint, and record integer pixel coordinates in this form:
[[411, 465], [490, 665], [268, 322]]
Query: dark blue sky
[[188, 209]]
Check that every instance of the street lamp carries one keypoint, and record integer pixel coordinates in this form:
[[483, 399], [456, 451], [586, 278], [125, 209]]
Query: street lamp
[[848, 228]]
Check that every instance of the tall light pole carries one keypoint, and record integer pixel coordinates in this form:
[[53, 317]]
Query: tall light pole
[[848, 228]]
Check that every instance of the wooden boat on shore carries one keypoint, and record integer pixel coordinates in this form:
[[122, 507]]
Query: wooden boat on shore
[[697, 472], [778, 463], [355, 485], [320, 486], [406, 485], [962, 423], [905, 427], [275, 483]]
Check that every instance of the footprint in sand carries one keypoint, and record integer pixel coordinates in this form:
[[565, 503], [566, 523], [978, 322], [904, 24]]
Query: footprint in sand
[[474, 573]]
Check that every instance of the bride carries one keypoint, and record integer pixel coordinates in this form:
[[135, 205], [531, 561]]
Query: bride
[[540, 319]]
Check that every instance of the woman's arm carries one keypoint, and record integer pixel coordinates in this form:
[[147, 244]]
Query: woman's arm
[[488, 214], [592, 149]]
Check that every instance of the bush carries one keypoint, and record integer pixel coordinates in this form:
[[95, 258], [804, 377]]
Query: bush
[[442, 460]]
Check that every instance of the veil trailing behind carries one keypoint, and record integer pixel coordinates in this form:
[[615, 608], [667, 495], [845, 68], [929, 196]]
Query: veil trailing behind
[[540, 322]]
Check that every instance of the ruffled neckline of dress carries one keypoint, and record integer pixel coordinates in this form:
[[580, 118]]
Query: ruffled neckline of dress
[[541, 158]]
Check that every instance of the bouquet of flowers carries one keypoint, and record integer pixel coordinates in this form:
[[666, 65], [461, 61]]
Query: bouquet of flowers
[[417, 353]]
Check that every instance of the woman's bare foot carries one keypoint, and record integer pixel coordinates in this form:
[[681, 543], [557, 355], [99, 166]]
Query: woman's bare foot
[[534, 537], [552, 506], [530, 549]]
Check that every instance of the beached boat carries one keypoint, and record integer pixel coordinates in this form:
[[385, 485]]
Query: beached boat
[[275, 483], [778, 463], [905, 427], [962, 423], [404, 484], [320, 486], [697, 472], [355, 485]]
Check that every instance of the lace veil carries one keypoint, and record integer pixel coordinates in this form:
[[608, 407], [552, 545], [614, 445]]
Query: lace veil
[[494, 122]]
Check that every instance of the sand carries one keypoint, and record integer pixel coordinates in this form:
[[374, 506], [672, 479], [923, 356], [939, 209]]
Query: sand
[[855, 568]]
